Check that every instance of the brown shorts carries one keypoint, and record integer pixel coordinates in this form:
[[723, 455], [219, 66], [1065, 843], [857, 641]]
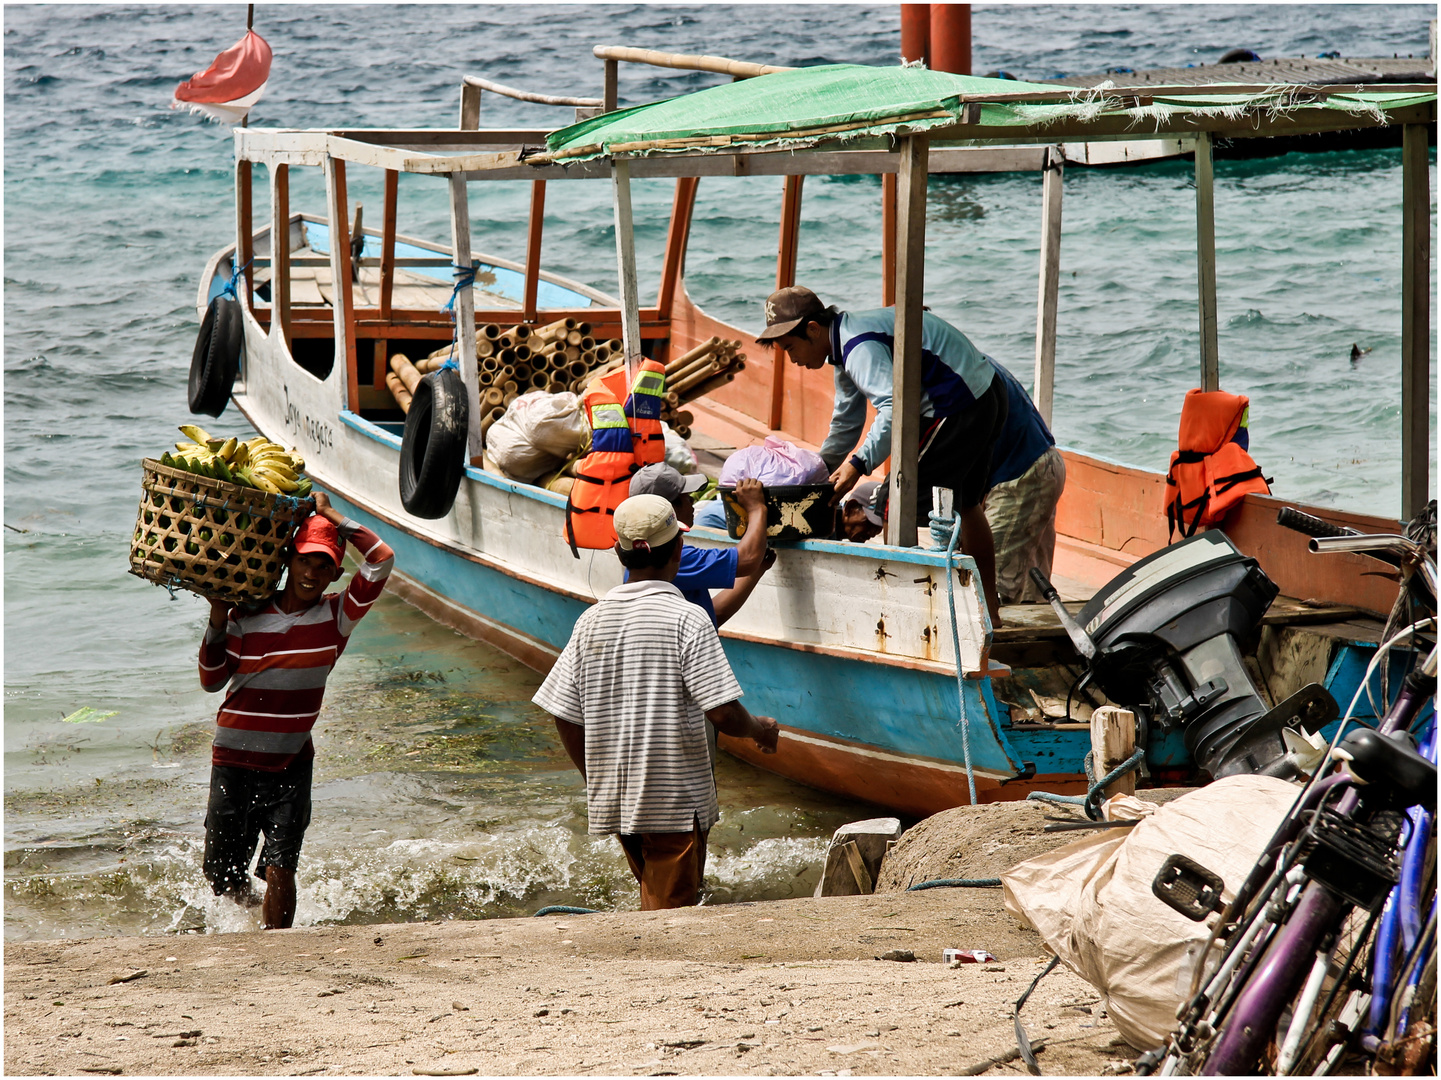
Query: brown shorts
[[669, 866]]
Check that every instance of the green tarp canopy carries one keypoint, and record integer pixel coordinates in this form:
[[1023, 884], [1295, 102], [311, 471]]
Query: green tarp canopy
[[851, 101]]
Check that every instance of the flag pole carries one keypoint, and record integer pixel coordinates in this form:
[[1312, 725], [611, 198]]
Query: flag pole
[[249, 26]]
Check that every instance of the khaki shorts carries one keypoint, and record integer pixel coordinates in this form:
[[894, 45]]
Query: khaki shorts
[[1022, 514]]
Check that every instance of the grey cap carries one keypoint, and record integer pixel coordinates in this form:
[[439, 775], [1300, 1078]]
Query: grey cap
[[660, 479], [864, 496]]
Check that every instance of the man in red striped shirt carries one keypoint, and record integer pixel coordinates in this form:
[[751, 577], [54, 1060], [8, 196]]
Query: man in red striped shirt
[[276, 657]]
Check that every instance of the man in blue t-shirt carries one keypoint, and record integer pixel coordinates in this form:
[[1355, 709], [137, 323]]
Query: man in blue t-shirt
[[734, 570]]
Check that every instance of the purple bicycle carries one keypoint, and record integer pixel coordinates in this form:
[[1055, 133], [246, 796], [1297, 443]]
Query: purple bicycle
[[1324, 962]]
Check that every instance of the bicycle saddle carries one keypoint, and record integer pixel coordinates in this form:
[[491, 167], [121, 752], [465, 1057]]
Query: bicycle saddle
[[1390, 763]]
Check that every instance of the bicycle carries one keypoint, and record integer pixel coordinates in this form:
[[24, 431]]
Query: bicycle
[[1349, 874]]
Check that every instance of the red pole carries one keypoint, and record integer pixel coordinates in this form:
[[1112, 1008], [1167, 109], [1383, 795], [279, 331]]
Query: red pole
[[916, 33], [951, 38]]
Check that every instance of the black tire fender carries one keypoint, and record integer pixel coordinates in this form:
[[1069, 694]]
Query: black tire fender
[[216, 360], [433, 450]]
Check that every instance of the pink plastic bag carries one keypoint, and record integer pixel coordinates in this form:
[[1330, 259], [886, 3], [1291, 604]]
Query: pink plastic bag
[[775, 463]]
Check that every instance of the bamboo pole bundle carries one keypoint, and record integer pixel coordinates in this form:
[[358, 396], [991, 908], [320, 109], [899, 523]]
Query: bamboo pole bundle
[[491, 331], [510, 396], [483, 345], [583, 327], [489, 419], [558, 329], [520, 332], [398, 391], [490, 363], [540, 380], [684, 418], [523, 352], [511, 388], [615, 345], [485, 378], [522, 372], [490, 399], [505, 341], [400, 364], [702, 389], [676, 380], [577, 370], [705, 348], [506, 356], [587, 343]]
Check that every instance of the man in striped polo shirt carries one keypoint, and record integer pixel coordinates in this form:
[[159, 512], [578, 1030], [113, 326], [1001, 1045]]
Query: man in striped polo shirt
[[276, 657], [632, 692]]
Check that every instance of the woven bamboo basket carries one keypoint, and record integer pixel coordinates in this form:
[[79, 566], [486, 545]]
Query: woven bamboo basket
[[223, 541]]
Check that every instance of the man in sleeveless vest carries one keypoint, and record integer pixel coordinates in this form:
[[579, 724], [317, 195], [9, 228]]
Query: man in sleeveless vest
[[970, 440], [276, 657]]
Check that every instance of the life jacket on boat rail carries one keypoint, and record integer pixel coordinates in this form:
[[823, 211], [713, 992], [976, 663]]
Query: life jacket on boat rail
[[1212, 469], [643, 409], [602, 478]]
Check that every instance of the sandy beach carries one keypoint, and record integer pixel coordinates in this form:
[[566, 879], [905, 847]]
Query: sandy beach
[[781, 988]]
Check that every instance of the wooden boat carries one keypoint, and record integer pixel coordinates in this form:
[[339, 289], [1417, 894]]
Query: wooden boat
[[849, 646]]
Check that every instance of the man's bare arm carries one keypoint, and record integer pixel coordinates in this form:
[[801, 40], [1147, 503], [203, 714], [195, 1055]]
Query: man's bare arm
[[751, 551], [735, 720], [572, 737]]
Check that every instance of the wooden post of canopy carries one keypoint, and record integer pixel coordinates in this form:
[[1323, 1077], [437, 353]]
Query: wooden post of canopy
[[1045, 380], [339, 210], [625, 257], [469, 107], [1206, 262], [1415, 321], [245, 230], [532, 250], [676, 240], [465, 313], [610, 92], [280, 252], [888, 232], [910, 291], [387, 272], [785, 277]]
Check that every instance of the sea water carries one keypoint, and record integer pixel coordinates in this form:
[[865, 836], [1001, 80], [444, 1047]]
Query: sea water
[[440, 790]]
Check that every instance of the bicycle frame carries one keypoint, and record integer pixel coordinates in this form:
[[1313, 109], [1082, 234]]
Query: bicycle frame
[[1277, 946]]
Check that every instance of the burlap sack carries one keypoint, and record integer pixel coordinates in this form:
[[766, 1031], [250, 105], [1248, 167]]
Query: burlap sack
[[1091, 901]]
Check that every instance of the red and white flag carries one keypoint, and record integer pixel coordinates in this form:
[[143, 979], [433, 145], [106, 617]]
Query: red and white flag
[[227, 89]]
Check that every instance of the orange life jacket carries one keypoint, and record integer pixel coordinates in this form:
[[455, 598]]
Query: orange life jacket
[[602, 479], [643, 409], [1212, 470]]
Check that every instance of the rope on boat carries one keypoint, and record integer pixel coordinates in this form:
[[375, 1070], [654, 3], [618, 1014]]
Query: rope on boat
[[464, 279], [956, 883], [562, 909], [232, 287], [1091, 800], [949, 533]]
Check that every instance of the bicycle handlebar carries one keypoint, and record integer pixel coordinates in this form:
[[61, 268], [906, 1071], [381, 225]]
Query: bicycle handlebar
[[1291, 518]]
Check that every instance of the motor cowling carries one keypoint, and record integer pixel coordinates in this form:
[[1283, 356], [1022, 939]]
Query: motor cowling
[[1168, 633]]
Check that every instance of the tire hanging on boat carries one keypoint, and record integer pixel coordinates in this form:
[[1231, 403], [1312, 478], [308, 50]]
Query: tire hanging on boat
[[433, 450], [216, 360]]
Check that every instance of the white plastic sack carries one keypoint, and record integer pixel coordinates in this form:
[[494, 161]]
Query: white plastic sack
[[678, 454], [538, 434], [774, 463], [1092, 904]]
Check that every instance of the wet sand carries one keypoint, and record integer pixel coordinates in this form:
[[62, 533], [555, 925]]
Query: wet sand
[[780, 988]]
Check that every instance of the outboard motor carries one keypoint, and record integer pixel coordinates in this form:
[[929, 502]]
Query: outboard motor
[[1166, 634]]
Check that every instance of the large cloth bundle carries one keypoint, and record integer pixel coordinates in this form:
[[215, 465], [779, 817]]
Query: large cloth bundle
[[775, 463], [538, 433], [1092, 904]]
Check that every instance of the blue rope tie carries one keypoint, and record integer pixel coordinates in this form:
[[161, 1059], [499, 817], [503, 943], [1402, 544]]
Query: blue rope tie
[[562, 909], [956, 883], [464, 279], [948, 532], [232, 286]]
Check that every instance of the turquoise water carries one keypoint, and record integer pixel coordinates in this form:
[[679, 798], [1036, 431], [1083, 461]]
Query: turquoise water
[[439, 788]]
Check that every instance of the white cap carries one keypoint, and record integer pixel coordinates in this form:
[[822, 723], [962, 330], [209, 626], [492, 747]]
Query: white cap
[[643, 522]]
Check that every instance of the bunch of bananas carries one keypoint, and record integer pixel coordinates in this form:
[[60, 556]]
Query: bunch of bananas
[[257, 462]]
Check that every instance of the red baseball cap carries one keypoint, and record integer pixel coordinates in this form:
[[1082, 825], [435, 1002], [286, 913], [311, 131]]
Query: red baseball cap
[[317, 534]]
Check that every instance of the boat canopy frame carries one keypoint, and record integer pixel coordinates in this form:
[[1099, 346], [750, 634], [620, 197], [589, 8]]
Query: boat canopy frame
[[909, 148]]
